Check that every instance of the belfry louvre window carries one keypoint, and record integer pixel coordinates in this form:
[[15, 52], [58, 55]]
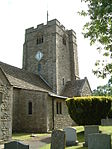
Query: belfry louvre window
[[30, 108], [40, 39], [64, 40], [59, 107]]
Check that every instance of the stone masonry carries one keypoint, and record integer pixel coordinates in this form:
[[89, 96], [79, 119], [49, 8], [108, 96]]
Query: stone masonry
[[59, 63], [32, 99], [5, 109]]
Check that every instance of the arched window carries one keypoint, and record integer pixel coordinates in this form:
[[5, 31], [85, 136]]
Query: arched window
[[30, 108]]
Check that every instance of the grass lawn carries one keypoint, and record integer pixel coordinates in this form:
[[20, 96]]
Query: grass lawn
[[80, 136], [26, 136]]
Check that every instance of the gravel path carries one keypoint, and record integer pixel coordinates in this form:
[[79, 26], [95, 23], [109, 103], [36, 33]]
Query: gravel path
[[35, 142]]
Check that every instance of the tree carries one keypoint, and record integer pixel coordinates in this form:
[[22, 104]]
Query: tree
[[105, 90], [99, 30]]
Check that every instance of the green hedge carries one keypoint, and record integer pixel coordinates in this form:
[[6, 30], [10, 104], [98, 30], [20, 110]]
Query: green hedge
[[89, 110], [110, 114]]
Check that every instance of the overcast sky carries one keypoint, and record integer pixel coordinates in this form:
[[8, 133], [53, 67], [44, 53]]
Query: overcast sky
[[17, 15]]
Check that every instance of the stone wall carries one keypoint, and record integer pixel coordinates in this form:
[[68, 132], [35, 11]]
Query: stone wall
[[6, 92], [23, 121], [47, 48], [44, 115], [62, 59], [74, 66], [86, 90], [49, 113], [57, 121], [16, 110], [6, 113], [59, 63], [62, 120]]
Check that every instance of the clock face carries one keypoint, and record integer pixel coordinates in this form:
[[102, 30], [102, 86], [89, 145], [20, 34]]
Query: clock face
[[39, 55]]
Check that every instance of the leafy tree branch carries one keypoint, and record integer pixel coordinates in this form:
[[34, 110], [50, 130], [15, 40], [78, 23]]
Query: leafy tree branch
[[99, 30]]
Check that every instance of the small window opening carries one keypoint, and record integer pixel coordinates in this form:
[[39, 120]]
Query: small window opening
[[30, 108], [39, 68], [59, 107], [0, 98], [37, 41], [64, 40], [40, 40], [57, 110], [63, 81]]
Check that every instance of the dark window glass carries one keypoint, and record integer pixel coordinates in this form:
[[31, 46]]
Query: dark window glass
[[40, 40], [64, 40], [57, 111], [0, 98], [30, 108], [37, 41], [59, 107], [63, 81], [39, 67]]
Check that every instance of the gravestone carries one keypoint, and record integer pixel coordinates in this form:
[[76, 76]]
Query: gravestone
[[99, 141], [58, 139], [89, 129], [106, 122], [71, 136], [15, 145]]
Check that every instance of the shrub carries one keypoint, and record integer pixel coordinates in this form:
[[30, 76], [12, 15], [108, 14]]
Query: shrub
[[89, 110], [110, 114]]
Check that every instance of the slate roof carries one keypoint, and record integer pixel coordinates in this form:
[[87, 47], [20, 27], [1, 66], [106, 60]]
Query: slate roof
[[74, 88], [23, 79]]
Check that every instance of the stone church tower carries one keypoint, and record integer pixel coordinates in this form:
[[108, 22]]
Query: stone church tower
[[33, 99], [51, 52]]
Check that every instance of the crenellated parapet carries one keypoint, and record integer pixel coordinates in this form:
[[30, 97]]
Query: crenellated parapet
[[42, 26]]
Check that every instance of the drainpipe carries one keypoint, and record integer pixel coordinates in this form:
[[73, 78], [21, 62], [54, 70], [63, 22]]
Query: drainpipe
[[52, 113]]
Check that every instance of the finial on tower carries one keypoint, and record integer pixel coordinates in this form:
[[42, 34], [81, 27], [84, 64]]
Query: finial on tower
[[47, 16]]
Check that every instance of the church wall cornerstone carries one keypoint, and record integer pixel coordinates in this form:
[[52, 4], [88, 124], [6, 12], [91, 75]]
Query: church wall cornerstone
[[57, 119], [5, 108]]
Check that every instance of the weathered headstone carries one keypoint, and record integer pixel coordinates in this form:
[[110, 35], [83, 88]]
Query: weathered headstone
[[106, 122], [15, 145], [71, 136], [99, 141], [58, 139], [89, 129]]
